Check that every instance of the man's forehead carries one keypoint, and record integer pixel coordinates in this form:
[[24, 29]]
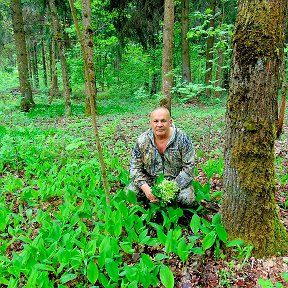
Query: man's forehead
[[160, 112]]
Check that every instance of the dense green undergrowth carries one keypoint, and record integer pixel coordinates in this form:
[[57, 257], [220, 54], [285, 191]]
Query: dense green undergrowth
[[56, 228]]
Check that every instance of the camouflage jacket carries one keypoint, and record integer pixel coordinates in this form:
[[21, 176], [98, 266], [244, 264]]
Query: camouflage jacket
[[177, 162]]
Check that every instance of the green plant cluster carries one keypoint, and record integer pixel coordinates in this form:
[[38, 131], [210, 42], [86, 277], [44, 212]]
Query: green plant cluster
[[55, 225], [166, 191]]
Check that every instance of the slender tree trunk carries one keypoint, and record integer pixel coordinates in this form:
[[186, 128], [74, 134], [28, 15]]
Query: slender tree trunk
[[90, 76], [61, 48], [283, 98], [219, 72], [186, 67], [35, 64], [220, 61], [27, 101], [44, 65], [209, 48], [167, 53], [249, 210], [54, 87], [88, 43]]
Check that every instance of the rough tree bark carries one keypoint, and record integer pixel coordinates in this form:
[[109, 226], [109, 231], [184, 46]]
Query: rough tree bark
[[57, 33], [88, 43], [186, 67], [27, 101], [249, 209], [167, 53]]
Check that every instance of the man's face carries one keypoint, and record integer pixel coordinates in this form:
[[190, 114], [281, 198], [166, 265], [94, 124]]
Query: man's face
[[160, 122]]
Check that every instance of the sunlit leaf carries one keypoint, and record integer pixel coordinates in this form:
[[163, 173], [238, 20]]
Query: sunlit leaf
[[166, 276], [195, 223], [67, 277], [209, 240], [92, 272]]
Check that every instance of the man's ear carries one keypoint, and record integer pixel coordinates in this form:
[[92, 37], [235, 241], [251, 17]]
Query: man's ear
[[170, 122]]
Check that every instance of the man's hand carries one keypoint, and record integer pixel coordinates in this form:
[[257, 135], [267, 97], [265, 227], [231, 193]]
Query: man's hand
[[148, 192]]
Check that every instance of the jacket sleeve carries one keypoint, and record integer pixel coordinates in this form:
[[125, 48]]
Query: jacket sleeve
[[186, 175], [137, 173]]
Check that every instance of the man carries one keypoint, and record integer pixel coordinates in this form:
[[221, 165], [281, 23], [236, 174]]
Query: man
[[162, 149]]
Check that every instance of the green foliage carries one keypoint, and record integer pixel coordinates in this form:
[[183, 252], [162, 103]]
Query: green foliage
[[267, 283], [53, 209]]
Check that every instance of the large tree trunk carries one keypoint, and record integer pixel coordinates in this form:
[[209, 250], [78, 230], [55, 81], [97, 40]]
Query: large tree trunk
[[88, 42], [186, 67], [61, 48], [249, 208], [167, 53], [209, 48], [20, 43]]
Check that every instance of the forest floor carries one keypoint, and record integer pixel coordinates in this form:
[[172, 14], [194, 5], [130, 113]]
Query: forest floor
[[230, 271], [235, 268]]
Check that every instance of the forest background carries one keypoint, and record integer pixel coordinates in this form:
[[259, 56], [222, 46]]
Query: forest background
[[57, 228]]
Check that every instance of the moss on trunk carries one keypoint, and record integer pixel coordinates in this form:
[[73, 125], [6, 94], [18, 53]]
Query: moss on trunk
[[249, 209]]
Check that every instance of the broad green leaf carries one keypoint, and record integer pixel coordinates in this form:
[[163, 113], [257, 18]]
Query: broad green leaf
[[166, 276], [285, 276], [160, 257], [133, 284], [153, 242], [209, 240], [197, 251], [127, 247], [112, 269], [216, 219], [195, 223], [131, 197], [131, 272], [206, 223], [103, 280], [221, 232], [117, 229], [265, 283], [13, 283], [4, 281], [74, 145], [235, 242], [92, 272], [67, 277], [44, 267], [169, 242], [147, 261], [161, 236], [182, 250]]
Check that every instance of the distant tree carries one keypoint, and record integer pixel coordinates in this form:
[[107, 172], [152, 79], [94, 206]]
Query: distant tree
[[167, 53], [186, 66], [27, 101], [209, 46], [249, 209], [57, 33], [54, 87]]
